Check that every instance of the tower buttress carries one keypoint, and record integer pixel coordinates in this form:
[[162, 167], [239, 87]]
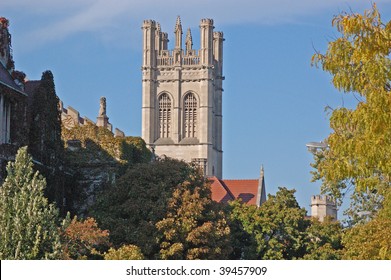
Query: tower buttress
[[218, 39], [148, 81]]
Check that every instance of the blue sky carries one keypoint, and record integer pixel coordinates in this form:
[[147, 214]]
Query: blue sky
[[273, 101]]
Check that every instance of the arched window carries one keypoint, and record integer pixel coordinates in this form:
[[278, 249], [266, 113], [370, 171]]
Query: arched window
[[164, 116], [190, 115]]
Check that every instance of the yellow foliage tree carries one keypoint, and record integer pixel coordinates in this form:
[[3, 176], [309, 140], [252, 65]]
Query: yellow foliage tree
[[359, 147]]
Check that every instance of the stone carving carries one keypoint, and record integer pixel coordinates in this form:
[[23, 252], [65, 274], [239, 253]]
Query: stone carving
[[102, 108]]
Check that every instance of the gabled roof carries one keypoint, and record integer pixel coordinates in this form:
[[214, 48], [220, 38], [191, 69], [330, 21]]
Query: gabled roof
[[6, 79], [226, 190]]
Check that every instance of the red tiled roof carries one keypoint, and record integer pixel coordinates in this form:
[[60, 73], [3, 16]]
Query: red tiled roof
[[226, 190], [247, 190], [220, 192]]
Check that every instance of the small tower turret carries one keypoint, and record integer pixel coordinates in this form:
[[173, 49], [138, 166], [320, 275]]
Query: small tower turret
[[218, 39], [322, 206], [206, 51], [149, 47]]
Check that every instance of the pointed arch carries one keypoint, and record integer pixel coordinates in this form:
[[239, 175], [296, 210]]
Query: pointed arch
[[190, 115], [165, 104]]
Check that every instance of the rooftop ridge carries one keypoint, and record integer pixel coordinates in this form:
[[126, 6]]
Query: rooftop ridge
[[240, 179]]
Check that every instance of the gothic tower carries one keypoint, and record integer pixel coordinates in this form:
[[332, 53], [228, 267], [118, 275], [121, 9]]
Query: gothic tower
[[182, 95]]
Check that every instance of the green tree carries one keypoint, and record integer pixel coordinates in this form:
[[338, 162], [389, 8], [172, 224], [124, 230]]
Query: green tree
[[28, 223], [125, 252], [277, 229], [139, 199], [244, 222], [45, 144], [371, 240], [195, 227], [324, 240], [359, 147]]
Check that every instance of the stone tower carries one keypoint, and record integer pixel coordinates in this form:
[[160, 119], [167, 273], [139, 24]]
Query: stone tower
[[322, 206], [182, 95]]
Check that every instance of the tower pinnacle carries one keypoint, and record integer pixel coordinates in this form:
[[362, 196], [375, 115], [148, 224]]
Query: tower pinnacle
[[189, 40], [178, 33]]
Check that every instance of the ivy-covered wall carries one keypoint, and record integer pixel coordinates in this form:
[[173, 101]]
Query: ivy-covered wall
[[95, 158]]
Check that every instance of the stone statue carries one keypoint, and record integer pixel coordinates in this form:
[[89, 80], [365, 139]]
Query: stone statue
[[102, 108]]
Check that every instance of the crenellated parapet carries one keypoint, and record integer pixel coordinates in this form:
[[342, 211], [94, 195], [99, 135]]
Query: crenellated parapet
[[322, 206], [156, 53]]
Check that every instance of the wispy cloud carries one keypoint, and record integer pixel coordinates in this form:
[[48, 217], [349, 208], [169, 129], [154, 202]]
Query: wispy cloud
[[75, 16]]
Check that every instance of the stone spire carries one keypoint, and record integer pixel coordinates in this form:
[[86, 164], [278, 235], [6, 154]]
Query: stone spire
[[178, 33], [189, 40], [261, 196]]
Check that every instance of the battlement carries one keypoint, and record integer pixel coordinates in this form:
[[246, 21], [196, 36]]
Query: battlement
[[149, 22], [207, 21], [322, 199], [218, 35]]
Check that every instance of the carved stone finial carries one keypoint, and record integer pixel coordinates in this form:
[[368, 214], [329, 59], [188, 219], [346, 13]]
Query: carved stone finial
[[178, 25], [102, 106]]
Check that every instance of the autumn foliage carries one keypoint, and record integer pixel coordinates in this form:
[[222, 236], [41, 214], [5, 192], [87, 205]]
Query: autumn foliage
[[83, 239]]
